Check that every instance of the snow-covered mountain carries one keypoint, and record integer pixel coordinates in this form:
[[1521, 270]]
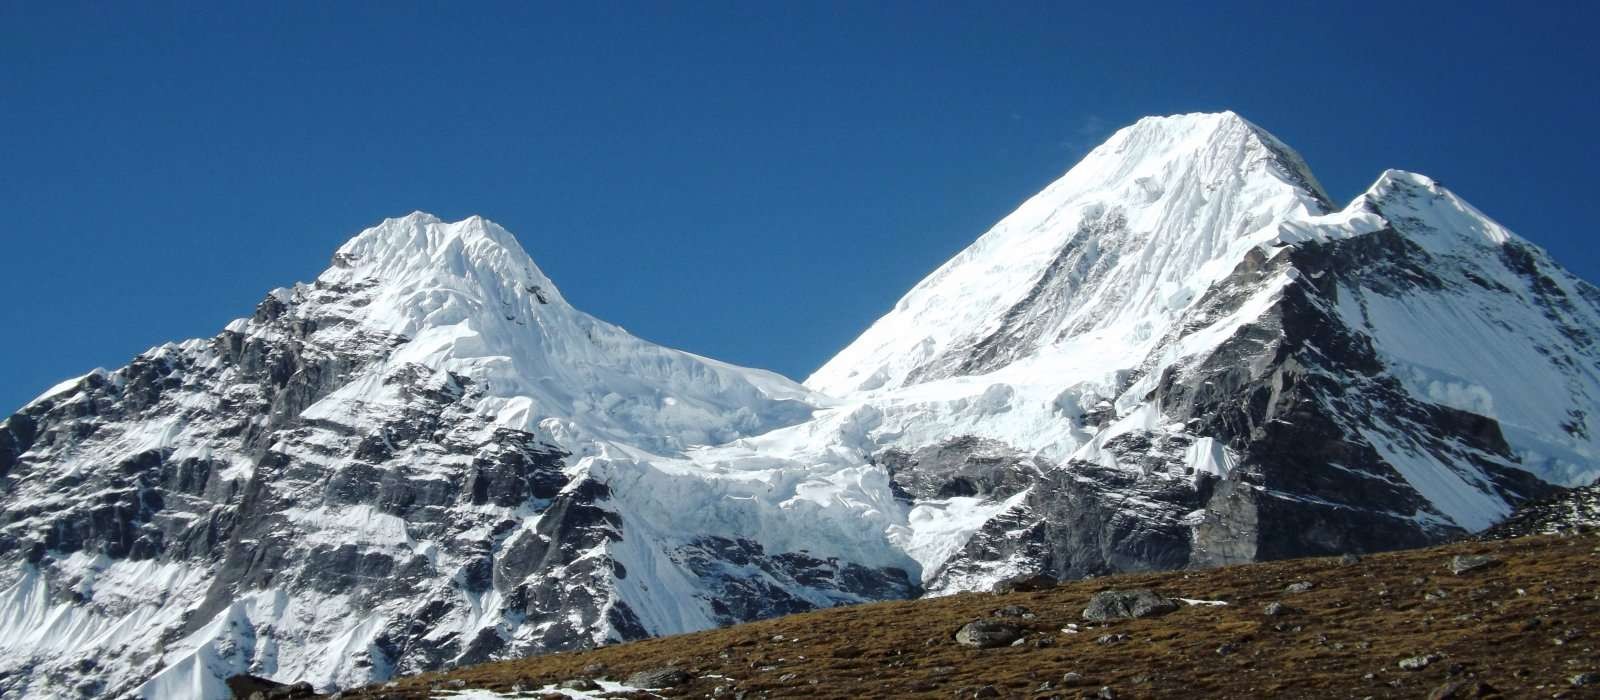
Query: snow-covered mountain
[[1179, 354], [404, 464], [1187, 317]]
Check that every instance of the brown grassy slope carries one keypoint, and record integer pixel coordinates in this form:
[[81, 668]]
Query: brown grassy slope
[[1525, 627]]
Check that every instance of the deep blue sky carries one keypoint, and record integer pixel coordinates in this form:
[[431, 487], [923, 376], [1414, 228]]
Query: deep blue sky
[[755, 181]]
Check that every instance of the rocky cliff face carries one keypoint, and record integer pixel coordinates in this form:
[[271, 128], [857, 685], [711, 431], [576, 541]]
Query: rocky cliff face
[[1178, 355]]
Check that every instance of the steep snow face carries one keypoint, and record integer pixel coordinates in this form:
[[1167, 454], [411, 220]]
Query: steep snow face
[[1102, 261]]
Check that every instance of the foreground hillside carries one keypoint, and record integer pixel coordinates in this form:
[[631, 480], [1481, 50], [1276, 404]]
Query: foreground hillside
[[1401, 624]]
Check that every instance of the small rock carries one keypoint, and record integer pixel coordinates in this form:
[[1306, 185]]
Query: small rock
[[1111, 638], [1276, 609], [594, 670], [987, 691], [658, 678], [1584, 679], [1072, 678], [1044, 642], [1120, 605], [1227, 648], [1106, 693], [1417, 663], [1299, 587], [1459, 690], [846, 652], [1435, 595], [1350, 558], [1026, 583], [1464, 563], [582, 684], [787, 677], [987, 634], [1014, 611], [246, 686]]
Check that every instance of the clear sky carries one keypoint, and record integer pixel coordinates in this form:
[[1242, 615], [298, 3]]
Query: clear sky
[[754, 181]]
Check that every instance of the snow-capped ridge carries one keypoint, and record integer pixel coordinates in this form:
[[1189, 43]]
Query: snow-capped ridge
[[65, 386], [1412, 205]]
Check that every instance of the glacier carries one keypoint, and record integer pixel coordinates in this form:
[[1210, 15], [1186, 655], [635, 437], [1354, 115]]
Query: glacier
[[1181, 353]]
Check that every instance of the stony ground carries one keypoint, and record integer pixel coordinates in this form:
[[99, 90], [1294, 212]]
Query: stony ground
[[1389, 625]]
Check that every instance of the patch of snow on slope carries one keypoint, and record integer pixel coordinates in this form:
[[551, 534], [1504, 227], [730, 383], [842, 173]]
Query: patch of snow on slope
[[607, 689], [1465, 502], [936, 530]]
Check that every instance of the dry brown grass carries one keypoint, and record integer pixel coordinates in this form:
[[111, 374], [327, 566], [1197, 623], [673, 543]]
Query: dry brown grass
[[1500, 626]]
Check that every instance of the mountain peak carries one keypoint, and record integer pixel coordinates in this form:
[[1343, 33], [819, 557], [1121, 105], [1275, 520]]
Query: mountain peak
[[420, 234], [1194, 119], [1430, 214], [420, 252], [1215, 135], [1120, 244]]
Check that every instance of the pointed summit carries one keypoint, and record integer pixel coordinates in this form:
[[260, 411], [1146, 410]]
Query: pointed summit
[[1441, 218], [1116, 249], [417, 271], [1216, 136], [465, 297], [420, 244]]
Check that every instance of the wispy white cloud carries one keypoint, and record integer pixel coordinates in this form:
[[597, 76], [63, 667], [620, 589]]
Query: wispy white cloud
[[1089, 132]]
